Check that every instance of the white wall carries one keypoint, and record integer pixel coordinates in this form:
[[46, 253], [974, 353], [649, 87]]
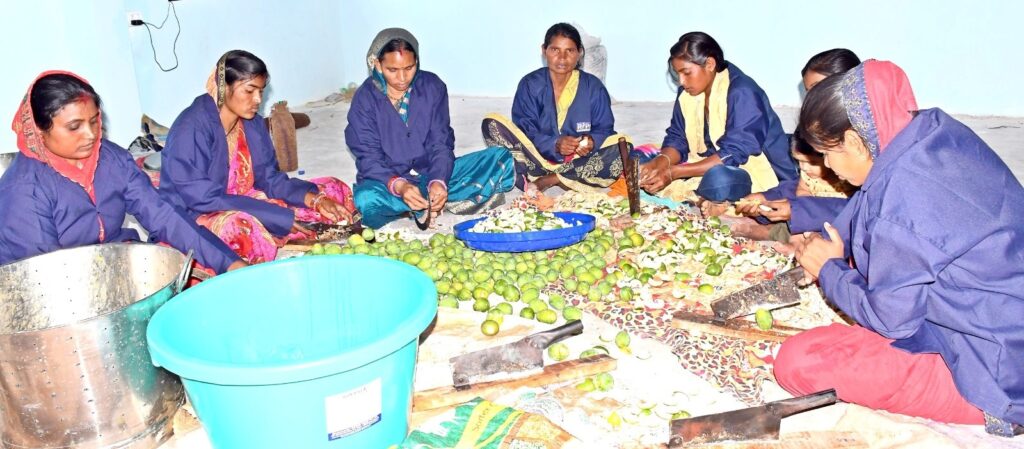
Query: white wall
[[85, 37], [963, 57]]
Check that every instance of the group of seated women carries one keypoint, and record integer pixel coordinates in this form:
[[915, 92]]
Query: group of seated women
[[908, 221]]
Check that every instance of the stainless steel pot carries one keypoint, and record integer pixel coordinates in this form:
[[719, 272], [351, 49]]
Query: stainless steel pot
[[75, 370]]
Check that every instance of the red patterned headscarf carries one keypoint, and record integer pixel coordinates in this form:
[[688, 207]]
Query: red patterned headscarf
[[879, 102], [30, 142]]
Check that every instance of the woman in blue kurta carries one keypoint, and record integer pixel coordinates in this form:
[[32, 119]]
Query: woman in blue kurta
[[400, 134], [70, 187], [219, 165], [928, 258], [723, 128], [562, 130]]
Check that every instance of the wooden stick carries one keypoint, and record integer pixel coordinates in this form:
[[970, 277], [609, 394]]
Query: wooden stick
[[731, 328], [556, 373]]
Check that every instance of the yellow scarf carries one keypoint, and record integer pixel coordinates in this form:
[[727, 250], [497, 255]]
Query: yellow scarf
[[760, 170], [567, 97]]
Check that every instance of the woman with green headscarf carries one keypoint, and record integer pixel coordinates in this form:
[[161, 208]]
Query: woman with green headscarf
[[399, 131]]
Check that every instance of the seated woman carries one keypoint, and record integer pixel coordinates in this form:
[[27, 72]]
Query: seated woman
[[399, 132], [723, 127], [219, 165], [928, 258], [70, 187], [804, 205], [562, 130]]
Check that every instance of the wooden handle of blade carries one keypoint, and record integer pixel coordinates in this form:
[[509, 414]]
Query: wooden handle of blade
[[732, 328], [556, 373]]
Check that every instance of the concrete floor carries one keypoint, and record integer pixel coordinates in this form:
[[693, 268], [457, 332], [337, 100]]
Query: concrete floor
[[322, 150]]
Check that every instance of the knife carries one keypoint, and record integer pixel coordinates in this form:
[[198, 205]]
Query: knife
[[511, 360], [630, 172], [754, 423], [780, 291]]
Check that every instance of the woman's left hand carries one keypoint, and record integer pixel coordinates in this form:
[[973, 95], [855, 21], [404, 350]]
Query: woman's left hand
[[586, 145], [333, 211], [438, 196], [655, 174], [815, 251]]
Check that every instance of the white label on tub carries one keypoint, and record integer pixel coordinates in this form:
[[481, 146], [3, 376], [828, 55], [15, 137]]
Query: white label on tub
[[353, 410]]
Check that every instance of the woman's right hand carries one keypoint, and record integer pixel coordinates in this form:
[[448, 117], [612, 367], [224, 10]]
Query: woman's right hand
[[656, 174], [411, 195], [750, 205], [567, 145]]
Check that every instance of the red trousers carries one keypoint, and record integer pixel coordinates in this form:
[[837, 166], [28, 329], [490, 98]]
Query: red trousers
[[864, 369]]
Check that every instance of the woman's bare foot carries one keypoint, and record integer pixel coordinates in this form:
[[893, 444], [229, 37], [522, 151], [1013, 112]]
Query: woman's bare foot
[[547, 181], [748, 228]]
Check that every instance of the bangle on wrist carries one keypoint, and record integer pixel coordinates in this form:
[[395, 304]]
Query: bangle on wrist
[[665, 156]]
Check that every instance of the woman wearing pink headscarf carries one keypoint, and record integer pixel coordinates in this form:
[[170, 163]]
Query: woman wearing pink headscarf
[[928, 258]]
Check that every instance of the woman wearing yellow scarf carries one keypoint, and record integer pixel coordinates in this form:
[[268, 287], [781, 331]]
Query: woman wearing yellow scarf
[[723, 128]]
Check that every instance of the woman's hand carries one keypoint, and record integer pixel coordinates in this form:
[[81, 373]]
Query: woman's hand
[[779, 210], [438, 196], [411, 195], [586, 145], [656, 174], [750, 205], [237, 264], [567, 145], [331, 210], [814, 251]]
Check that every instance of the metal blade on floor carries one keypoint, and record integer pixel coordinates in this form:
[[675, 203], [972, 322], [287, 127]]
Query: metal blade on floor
[[749, 424], [512, 360], [780, 291]]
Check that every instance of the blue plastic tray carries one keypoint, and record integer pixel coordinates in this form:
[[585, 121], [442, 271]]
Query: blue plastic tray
[[515, 242]]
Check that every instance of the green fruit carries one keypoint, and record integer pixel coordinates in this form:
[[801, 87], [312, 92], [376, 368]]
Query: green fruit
[[480, 293], [547, 316], [625, 243], [504, 307], [683, 277], [682, 414], [489, 327], [356, 239], [626, 294], [449, 302], [764, 319], [496, 316], [443, 287], [332, 248], [511, 293], [530, 294], [637, 240], [527, 313], [317, 249], [587, 385], [713, 270], [538, 304], [481, 275], [604, 381], [571, 313], [465, 294], [706, 289], [570, 284], [367, 234], [556, 302], [481, 305], [558, 352], [622, 339], [409, 258]]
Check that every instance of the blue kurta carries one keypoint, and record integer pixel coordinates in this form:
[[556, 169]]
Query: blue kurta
[[385, 147], [751, 127], [937, 240], [44, 211], [535, 113], [807, 213], [194, 169]]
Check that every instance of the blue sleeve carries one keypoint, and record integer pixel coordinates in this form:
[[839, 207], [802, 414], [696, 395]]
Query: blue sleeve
[[809, 213], [440, 144], [746, 127], [185, 162], [169, 225], [362, 135], [902, 269], [602, 120], [526, 115], [267, 173], [31, 230], [675, 134], [786, 190]]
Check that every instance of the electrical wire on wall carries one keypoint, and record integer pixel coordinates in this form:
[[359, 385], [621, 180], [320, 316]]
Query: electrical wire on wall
[[174, 47]]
